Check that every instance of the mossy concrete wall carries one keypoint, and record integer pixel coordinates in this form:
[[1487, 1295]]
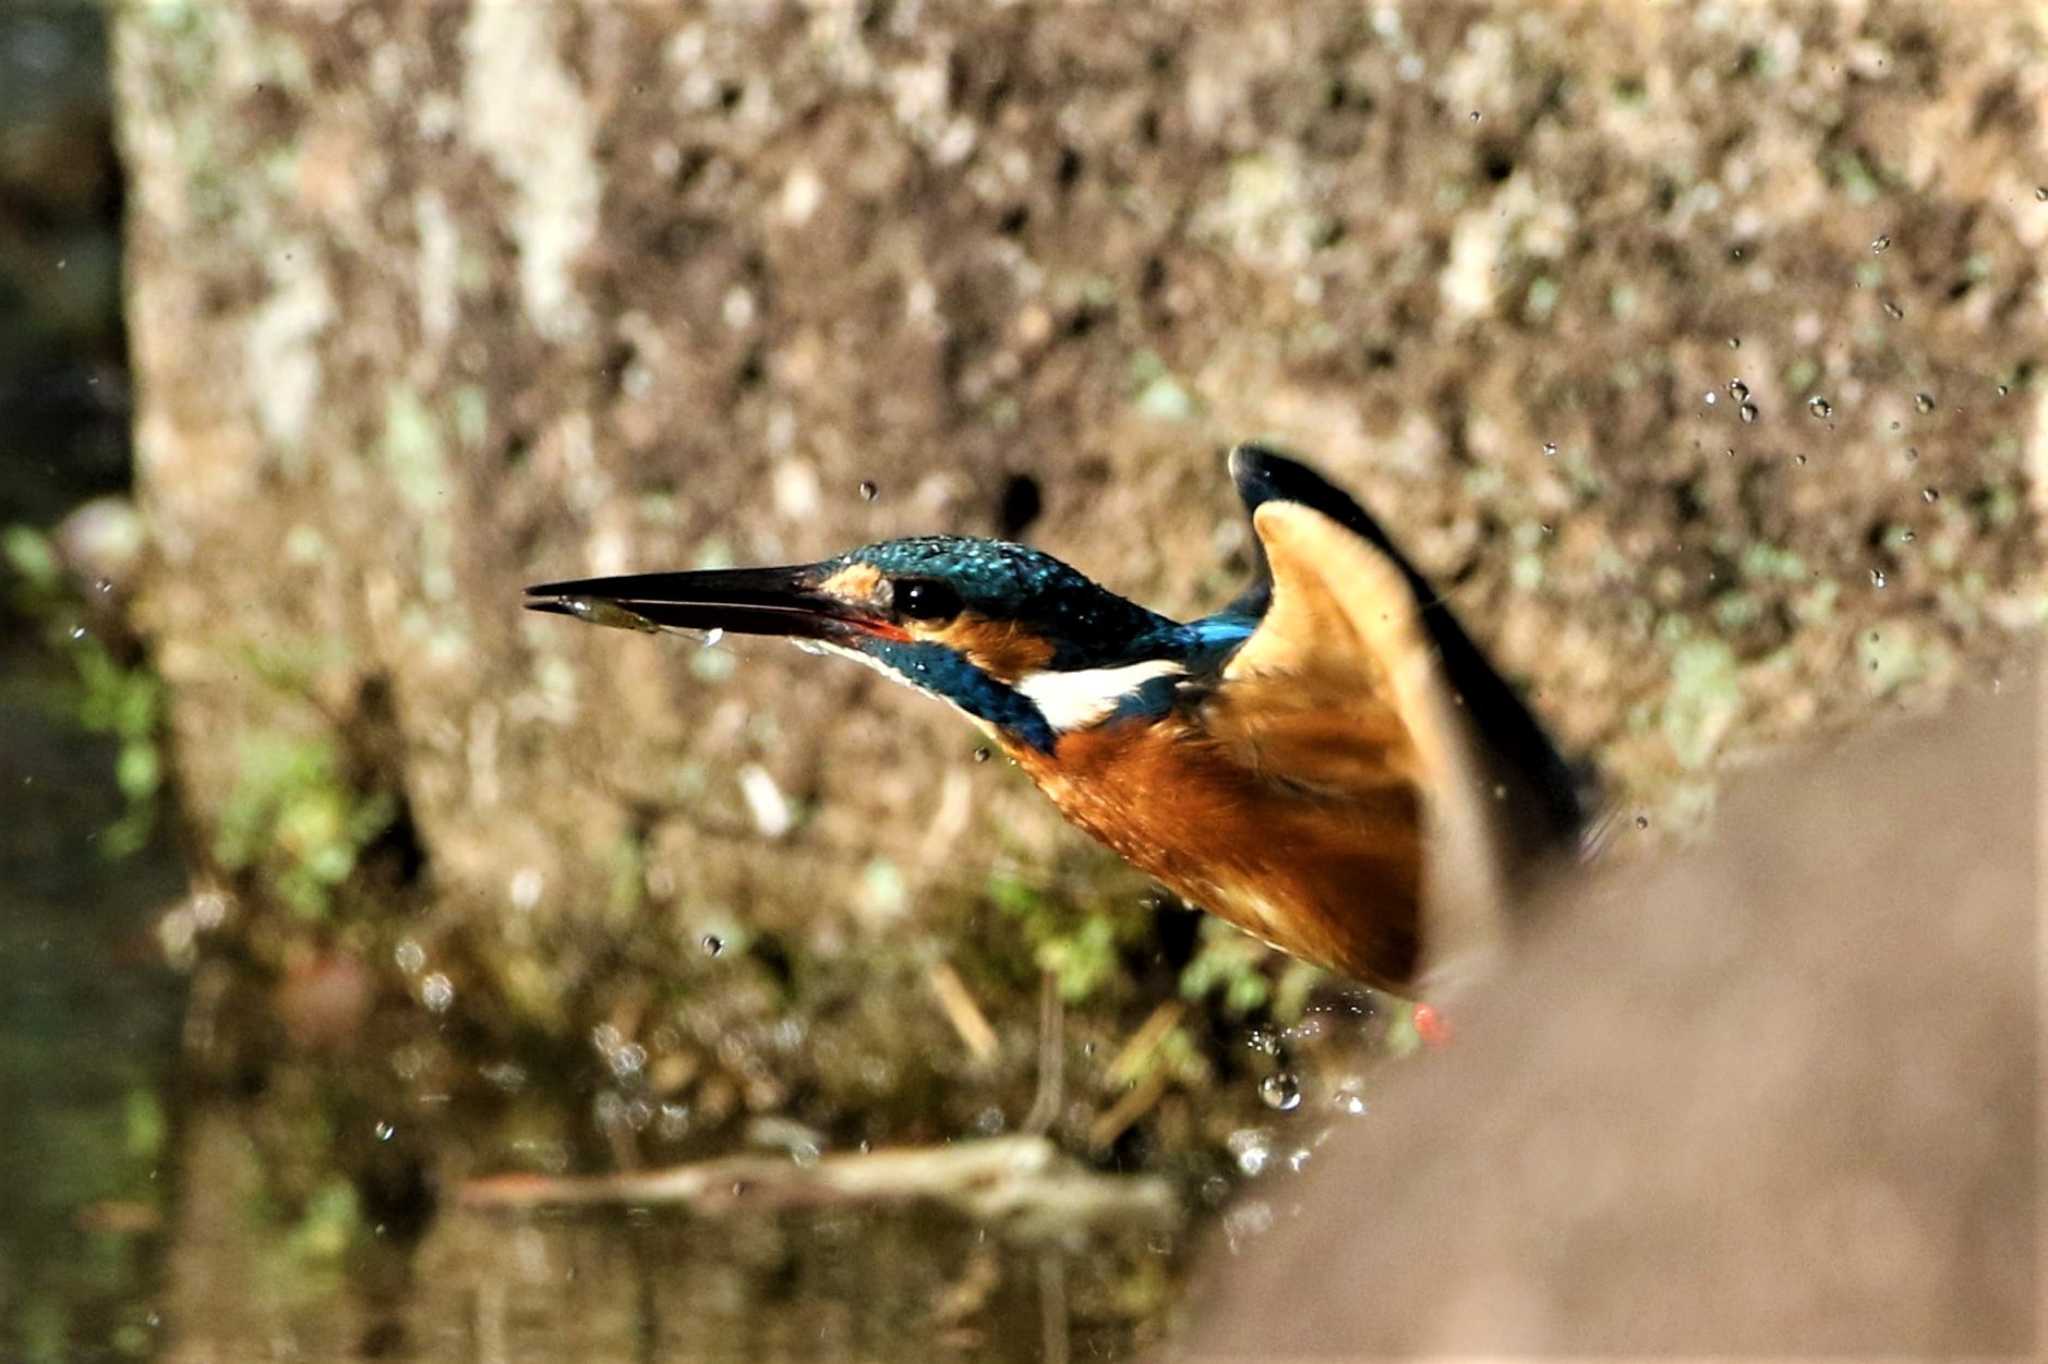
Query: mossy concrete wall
[[1619, 314]]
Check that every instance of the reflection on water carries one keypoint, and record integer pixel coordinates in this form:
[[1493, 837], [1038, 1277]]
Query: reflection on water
[[88, 1021], [637, 1284], [265, 1210]]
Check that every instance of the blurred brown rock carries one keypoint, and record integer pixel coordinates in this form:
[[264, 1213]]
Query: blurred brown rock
[[1774, 1096], [429, 301]]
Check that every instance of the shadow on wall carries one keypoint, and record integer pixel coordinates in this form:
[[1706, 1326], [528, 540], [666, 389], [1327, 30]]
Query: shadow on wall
[[1775, 1096]]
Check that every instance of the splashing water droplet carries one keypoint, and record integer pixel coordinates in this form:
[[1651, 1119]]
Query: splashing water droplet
[[384, 1131], [1280, 1090], [713, 944], [714, 636], [103, 585], [1820, 407], [77, 632], [1877, 577], [1251, 1148], [1881, 244], [1349, 1103], [869, 490], [1923, 402], [1749, 412]]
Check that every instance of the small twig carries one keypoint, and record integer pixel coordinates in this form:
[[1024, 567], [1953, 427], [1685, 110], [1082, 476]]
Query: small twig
[[1130, 1060], [1053, 1322], [1103, 1132], [1021, 1178], [962, 1012], [1052, 1057]]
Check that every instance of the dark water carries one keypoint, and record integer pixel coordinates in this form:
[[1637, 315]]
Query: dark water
[[88, 1027], [158, 1207]]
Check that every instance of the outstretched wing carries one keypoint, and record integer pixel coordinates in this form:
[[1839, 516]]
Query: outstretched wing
[[1554, 796], [1358, 684]]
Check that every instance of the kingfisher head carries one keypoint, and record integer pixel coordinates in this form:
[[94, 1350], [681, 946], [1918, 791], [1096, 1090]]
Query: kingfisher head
[[1017, 640]]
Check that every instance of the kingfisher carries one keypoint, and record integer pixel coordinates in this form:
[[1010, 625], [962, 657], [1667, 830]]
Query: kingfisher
[[1329, 762]]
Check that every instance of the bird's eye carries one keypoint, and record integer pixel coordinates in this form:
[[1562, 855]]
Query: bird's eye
[[926, 599]]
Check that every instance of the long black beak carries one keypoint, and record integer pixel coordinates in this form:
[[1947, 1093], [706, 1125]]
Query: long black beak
[[741, 601]]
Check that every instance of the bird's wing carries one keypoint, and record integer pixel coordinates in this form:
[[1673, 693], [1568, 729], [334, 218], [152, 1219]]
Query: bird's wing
[[1553, 797], [1341, 692]]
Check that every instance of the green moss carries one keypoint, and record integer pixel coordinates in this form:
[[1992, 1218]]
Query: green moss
[[1230, 965], [1704, 700], [294, 822], [1078, 945]]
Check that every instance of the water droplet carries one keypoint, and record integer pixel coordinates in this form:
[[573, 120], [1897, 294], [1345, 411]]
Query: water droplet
[[628, 1060], [1893, 310], [1280, 1090], [437, 992], [713, 944], [1475, 115], [410, 956], [1710, 397], [1930, 494], [77, 632], [1734, 343], [2041, 194], [1881, 244], [1799, 460], [103, 585], [982, 755], [384, 1131], [1251, 1148], [1912, 454], [1264, 1040], [1749, 412], [1350, 1104], [869, 490], [1877, 577], [1738, 390], [1820, 407], [1550, 449], [1923, 402], [1642, 821], [1907, 536], [714, 636], [2004, 389]]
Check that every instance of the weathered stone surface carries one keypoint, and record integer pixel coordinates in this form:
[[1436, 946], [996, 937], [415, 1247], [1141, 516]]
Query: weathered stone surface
[[430, 300]]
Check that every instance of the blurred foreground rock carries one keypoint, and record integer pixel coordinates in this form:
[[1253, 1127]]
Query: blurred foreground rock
[[1775, 1097]]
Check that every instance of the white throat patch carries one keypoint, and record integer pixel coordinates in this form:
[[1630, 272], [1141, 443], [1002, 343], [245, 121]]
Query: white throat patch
[[1076, 700]]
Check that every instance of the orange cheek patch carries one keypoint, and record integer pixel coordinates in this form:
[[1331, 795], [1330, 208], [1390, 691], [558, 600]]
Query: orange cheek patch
[[856, 583], [998, 648]]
